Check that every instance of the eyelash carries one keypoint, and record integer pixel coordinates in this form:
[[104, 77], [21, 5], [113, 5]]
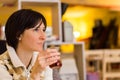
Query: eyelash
[[44, 30], [36, 29]]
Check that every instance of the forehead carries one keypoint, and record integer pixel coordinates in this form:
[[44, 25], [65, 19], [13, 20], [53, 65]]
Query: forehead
[[40, 24]]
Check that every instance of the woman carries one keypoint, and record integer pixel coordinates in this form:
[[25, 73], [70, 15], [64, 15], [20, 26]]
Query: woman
[[25, 58]]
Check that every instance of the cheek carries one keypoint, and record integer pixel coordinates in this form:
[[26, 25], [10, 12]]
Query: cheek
[[28, 39]]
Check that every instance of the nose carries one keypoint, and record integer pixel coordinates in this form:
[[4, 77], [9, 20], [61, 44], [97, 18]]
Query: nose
[[42, 35]]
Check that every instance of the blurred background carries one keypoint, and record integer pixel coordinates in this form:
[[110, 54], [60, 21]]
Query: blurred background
[[84, 16], [94, 22]]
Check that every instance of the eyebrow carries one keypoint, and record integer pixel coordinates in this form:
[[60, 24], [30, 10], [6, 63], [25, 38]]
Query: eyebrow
[[37, 26]]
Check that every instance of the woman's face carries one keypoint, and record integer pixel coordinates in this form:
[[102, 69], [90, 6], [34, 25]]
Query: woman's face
[[33, 39]]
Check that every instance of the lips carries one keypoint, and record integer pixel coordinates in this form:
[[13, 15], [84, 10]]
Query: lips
[[40, 43]]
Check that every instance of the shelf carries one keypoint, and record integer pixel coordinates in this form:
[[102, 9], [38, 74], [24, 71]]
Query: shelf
[[78, 54], [60, 43], [40, 2], [54, 5], [47, 1]]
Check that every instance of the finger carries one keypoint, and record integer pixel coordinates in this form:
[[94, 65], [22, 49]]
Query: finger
[[52, 60], [53, 54], [51, 50]]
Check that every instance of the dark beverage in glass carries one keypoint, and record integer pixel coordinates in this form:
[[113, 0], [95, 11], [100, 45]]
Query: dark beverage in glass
[[58, 64]]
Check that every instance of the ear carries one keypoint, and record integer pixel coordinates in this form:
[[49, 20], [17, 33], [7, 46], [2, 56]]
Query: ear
[[20, 38]]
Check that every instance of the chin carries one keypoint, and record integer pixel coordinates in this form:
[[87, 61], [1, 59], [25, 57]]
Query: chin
[[39, 49]]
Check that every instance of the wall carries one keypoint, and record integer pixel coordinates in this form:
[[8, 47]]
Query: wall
[[82, 18]]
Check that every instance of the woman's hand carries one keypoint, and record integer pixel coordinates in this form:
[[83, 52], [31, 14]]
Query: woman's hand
[[48, 57], [44, 59]]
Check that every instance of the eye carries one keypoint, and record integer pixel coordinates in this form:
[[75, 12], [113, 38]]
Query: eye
[[44, 30], [36, 29]]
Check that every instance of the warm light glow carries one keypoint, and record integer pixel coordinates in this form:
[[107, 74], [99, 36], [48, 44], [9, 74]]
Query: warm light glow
[[76, 34], [78, 17], [75, 12], [82, 19], [67, 48]]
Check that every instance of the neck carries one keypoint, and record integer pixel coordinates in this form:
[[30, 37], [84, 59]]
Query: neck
[[24, 55]]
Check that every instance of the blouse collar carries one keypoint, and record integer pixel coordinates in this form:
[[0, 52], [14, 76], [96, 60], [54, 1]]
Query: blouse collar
[[16, 60]]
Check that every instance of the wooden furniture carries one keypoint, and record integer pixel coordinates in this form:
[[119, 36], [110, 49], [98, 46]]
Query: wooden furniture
[[78, 54], [55, 7], [111, 57], [94, 63], [94, 56], [55, 10], [107, 62]]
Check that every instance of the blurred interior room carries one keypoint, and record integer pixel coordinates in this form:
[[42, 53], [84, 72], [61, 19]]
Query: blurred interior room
[[87, 31]]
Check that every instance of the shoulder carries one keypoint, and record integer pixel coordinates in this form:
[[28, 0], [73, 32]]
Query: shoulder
[[3, 60], [3, 69], [4, 57]]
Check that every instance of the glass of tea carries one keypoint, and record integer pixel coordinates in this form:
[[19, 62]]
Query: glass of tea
[[58, 64]]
